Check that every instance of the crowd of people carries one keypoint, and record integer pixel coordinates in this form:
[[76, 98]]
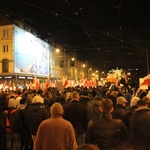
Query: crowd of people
[[77, 118]]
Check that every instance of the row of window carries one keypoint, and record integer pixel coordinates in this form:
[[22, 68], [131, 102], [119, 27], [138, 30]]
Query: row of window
[[5, 33], [5, 68], [5, 46], [56, 71], [5, 65]]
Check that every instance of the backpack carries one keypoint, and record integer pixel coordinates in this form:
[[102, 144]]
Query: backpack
[[9, 122]]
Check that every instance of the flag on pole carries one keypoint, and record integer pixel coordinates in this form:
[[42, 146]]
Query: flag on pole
[[146, 80], [36, 83], [112, 77]]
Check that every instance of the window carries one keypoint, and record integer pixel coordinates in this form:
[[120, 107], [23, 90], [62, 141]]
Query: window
[[5, 33], [61, 63], [5, 63], [5, 48], [72, 63]]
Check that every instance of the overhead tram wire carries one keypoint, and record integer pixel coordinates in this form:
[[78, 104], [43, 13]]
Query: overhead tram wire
[[55, 14], [85, 29], [135, 45]]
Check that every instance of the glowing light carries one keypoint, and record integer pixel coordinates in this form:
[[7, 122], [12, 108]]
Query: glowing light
[[57, 50]]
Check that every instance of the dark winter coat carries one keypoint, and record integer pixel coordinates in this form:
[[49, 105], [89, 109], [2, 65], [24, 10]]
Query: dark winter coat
[[119, 112], [34, 114], [140, 127], [106, 132], [76, 113]]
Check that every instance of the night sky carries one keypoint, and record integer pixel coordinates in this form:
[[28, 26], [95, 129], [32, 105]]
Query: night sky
[[105, 33]]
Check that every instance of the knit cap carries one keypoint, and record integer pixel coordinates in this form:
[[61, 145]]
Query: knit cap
[[134, 101], [37, 99], [121, 100], [56, 109], [12, 103]]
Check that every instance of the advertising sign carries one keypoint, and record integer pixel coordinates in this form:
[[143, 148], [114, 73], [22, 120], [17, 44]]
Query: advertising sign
[[31, 54]]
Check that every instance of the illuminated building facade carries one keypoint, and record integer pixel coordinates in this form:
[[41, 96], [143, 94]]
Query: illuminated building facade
[[23, 56]]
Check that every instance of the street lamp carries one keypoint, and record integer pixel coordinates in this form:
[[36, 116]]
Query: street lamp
[[83, 65], [73, 59], [57, 50]]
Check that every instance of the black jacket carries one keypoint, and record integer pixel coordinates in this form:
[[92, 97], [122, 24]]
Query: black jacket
[[106, 132], [33, 115], [119, 112], [76, 113], [140, 127]]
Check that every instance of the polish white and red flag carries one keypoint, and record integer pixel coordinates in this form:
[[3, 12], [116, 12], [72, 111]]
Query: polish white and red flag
[[36, 83], [146, 80], [64, 81], [112, 77]]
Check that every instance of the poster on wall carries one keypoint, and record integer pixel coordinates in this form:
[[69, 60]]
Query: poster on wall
[[31, 54]]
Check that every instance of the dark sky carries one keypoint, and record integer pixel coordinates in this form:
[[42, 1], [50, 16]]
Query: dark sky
[[105, 33]]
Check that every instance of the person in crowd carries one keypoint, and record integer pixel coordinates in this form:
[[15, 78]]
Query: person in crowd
[[13, 129], [84, 98], [34, 114], [143, 93], [18, 97], [113, 98], [26, 140], [23, 132], [55, 133], [93, 92], [140, 126], [93, 111], [145, 98], [22, 104], [130, 111], [105, 132], [76, 113], [48, 99], [133, 102], [87, 147], [120, 108], [3, 106]]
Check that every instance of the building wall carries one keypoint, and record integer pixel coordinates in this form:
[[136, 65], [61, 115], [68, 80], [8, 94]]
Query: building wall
[[6, 40], [57, 69]]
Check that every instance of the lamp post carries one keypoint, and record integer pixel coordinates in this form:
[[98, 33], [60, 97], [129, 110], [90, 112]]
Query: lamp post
[[83, 69]]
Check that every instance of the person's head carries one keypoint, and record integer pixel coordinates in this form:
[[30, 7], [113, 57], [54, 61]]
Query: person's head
[[87, 147], [121, 100], [56, 109], [106, 106], [133, 101], [147, 99], [37, 99], [12, 103], [142, 102], [75, 95]]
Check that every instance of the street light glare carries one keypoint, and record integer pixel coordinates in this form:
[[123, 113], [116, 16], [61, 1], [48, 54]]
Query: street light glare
[[72, 59], [57, 50]]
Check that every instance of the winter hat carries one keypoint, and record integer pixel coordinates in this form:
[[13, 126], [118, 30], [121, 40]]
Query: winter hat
[[121, 100], [12, 103], [134, 101], [37, 99], [56, 109]]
